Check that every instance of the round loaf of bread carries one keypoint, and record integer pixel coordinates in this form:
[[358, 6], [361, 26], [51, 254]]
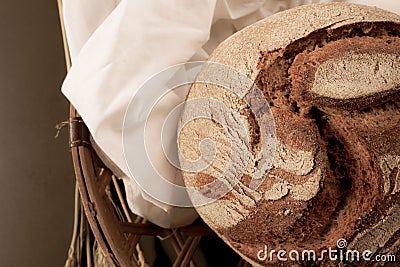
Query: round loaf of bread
[[331, 76]]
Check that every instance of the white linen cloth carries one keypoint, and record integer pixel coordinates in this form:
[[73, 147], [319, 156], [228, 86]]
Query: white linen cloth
[[116, 45]]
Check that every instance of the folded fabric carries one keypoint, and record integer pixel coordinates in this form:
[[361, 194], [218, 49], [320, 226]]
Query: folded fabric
[[116, 45]]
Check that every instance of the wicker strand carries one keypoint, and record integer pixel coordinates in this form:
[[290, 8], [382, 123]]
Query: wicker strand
[[121, 199], [178, 244], [183, 252], [116, 208], [64, 35], [141, 258], [99, 257], [81, 238], [71, 260], [189, 254], [59, 127], [136, 238], [89, 254]]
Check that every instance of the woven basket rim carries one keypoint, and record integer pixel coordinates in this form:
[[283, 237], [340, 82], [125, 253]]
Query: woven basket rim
[[117, 239]]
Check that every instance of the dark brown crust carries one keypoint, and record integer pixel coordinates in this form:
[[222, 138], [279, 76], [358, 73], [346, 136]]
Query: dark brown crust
[[352, 198], [306, 64]]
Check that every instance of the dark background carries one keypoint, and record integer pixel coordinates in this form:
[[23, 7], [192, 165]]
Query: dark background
[[37, 181]]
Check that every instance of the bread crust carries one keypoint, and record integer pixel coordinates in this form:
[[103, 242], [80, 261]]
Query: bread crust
[[241, 51], [327, 181]]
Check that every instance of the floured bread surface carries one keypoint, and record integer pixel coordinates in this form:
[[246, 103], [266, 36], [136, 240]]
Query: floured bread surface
[[330, 73]]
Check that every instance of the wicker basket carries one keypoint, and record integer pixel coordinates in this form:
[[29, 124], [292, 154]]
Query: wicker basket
[[105, 232]]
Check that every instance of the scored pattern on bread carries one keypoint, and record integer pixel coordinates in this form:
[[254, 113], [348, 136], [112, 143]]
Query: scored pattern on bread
[[362, 67], [388, 165], [330, 73], [376, 237]]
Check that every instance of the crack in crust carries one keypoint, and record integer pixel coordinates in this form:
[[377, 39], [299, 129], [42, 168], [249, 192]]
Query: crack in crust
[[390, 165], [325, 142], [347, 208]]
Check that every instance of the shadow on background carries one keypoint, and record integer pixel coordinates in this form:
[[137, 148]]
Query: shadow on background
[[37, 181]]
